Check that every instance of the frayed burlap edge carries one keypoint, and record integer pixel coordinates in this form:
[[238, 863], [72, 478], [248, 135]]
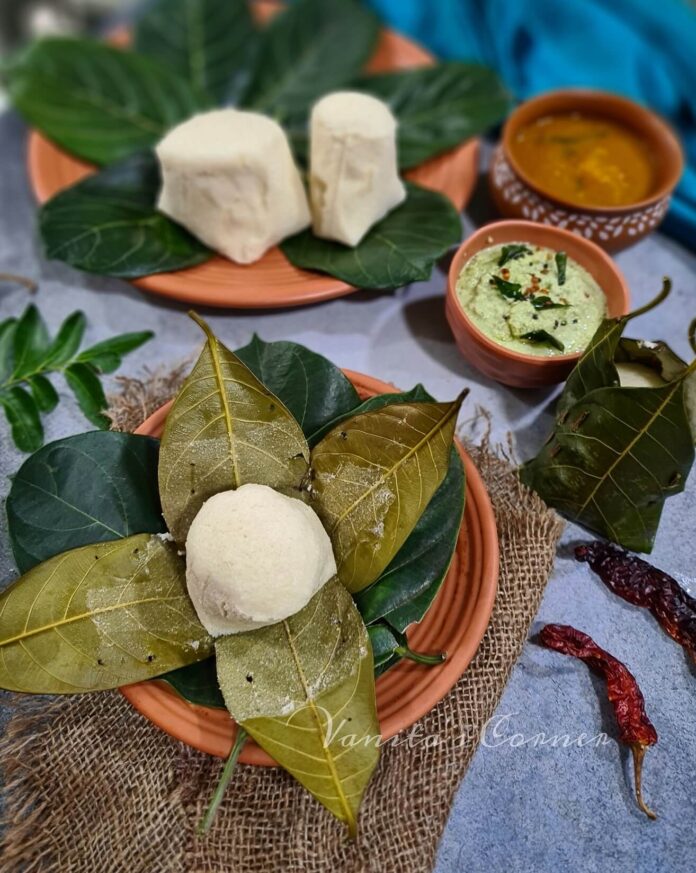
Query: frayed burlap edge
[[91, 786]]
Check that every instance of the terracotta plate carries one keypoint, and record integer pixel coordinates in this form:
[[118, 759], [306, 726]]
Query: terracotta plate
[[455, 623], [271, 282]]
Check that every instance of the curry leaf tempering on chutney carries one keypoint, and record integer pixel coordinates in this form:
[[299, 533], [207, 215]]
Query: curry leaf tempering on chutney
[[531, 299]]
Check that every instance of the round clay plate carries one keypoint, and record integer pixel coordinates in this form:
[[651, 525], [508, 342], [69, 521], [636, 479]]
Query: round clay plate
[[455, 624], [272, 281]]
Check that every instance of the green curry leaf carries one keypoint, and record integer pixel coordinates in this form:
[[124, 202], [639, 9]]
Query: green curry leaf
[[85, 385], [561, 259], [510, 290], [44, 394], [512, 253], [543, 337], [28, 356], [99, 617], [23, 416]]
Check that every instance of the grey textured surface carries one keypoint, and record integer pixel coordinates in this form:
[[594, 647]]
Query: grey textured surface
[[526, 807]]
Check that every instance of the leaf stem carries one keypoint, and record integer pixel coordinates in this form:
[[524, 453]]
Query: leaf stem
[[11, 278], [216, 799], [204, 326], [664, 293], [419, 657]]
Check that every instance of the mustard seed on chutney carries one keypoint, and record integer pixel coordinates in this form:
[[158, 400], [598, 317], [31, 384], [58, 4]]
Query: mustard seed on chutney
[[584, 159]]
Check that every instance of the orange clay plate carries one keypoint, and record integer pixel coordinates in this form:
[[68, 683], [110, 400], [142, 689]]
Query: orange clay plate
[[455, 623], [271, 282]]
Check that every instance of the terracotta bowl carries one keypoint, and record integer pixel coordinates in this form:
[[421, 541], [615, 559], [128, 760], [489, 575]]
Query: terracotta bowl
[[272, 281], [612, 228], [506, 366], [455, 623]]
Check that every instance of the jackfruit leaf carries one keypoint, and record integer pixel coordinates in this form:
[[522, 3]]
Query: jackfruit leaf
[[99, 617], [384, 644], [399, 249], [197, 683], [615, 453], [438, 107], [211, 44], [311, 705], [383, 666], [109, 224], [417, 394], [312, 387], [87, 488], [390, 645], [401, 596], [225, 429], [596, 369], [660, 358], [374, 475], [95, 101], [407, 587], [311, 48]]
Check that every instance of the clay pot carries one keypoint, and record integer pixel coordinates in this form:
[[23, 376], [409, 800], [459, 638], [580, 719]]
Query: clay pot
[[498, 362], [611, 227], [455, 624]]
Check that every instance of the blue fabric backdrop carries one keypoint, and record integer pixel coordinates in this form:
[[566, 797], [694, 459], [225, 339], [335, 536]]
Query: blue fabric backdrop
[[644, 49]]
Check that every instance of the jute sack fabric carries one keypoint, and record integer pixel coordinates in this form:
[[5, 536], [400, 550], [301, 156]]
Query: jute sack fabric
[[92, 787]]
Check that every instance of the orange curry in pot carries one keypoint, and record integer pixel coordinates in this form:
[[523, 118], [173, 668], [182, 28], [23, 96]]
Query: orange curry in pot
[[586, 160]]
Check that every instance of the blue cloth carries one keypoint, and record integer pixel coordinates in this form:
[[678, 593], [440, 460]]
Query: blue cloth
[[643, 49]]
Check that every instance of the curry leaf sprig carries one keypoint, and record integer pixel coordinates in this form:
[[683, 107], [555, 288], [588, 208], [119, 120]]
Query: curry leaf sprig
[[29, 355]]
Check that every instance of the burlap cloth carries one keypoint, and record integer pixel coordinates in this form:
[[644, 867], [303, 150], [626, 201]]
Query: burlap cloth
[[92, 787]]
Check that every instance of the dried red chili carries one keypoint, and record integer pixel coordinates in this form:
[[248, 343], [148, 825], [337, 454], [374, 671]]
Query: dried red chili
[[635, 728], [644, 585]]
